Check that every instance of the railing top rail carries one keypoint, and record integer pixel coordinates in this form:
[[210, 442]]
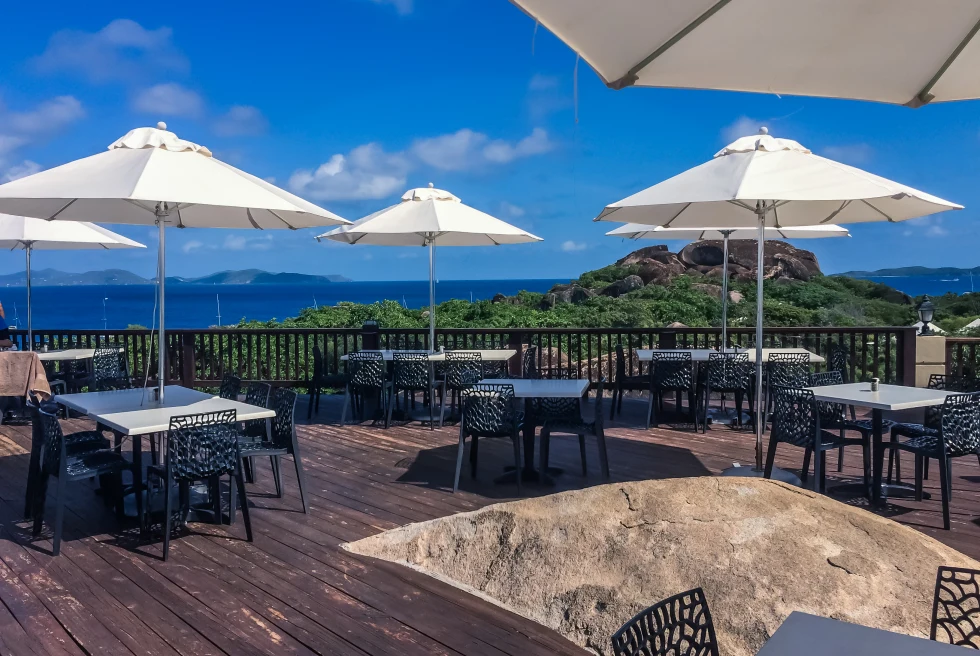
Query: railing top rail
[[449, 331], [962, 340]]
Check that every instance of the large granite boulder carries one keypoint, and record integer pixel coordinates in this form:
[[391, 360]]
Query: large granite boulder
[[624, 286], [655, 264], [784, 260], [570, 293], [583, 562]]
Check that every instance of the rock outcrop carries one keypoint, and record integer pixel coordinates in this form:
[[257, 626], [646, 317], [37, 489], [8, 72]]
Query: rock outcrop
[[624, 286], [583, 562]]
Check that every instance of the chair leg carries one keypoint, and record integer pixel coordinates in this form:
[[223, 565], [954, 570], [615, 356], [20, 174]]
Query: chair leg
[[603, 455], [442, 407], [918, 477], [459, 458], [866, 457], [612, 406], [40, 500], [59, 516], [276, 474], [581, 449], [822, 460], [474, 455], [840, 458], [168, 513], [518, 460], [391, 403], [652, 410], [807, 453], [545, 450], [925, 467], [343, 413], [300, 480], [770, 457], [232, 501], [944, 484], [240, 483], [318, 392]]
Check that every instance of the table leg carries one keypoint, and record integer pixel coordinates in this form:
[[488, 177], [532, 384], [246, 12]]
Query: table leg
[[528, 474], [138, 480], [878, 456]]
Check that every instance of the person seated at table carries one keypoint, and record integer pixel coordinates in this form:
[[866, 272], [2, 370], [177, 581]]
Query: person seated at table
[[5, 341]]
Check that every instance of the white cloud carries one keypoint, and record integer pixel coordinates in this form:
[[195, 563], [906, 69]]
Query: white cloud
[[572, 246], [742, 127], [931, 226], [545, 96], [192, 246], [541, 82], [169, 99], [241, 243], [22, 170], [859, 153], [512, 211], [22, 128], [366, 172], [466, 149], [123, 50], [403, 7], [241, 120], [536, 143]]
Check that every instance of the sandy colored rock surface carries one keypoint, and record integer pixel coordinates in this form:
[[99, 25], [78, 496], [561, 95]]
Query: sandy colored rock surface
[[585, 561]]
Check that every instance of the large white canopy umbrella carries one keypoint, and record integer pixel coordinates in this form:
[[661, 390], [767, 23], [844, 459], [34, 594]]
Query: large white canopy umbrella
[[430, 217], [29, 235], [764, 182], [905, 52], [638, 231], [151, 177]]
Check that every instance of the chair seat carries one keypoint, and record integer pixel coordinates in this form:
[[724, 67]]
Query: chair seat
[[832, 440], [570, 426], [260, 448], [867, 426], [95, 463], [913, 430], [84, 441], [633, 382]]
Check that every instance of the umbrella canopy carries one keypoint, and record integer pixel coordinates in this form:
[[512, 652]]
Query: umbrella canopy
[[152, 177], [27, 234], [798, 188], [430, 217], [857, 49], [765, 182]]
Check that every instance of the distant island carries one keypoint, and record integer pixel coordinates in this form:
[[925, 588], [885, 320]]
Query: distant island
[[53, 277], [912, 271]]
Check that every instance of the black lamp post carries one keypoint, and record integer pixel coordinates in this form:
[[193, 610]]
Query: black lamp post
[[926, 311]]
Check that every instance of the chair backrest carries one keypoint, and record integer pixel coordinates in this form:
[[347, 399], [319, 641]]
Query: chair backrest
[[955, 619], [960, 423], [488, 410], [598, 405], [258, 394], [463, 368], [366, 369], [52, 445], [203, 445], [411, 371], [678, 625], [794, 416], [673, 369], [620, 362], [529, 363], [839, 359], [110, 368], [317, 362], [788, 369], [283, 401], [231, 385], [831, 414], [728, 371]]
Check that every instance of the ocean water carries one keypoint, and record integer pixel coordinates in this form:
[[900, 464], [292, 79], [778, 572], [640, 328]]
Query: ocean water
[[196, 306], [932, 285]]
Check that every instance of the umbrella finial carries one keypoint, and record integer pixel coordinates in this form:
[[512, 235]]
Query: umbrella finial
[[763, 130], [431, 185], [161, 125]]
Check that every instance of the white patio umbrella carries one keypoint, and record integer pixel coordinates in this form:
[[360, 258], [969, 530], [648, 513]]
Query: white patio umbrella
[[151, 177], [430, 217], [906, 52], [29, 235], [638, 231], [764, 182]]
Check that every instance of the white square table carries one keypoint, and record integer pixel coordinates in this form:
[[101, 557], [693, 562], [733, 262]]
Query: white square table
[[888, 397], [701, 355], [65, 355], [490, 355], [530, 389], [803, 634], [137, 412]]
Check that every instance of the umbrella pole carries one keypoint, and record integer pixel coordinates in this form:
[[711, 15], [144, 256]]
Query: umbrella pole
[[724, 293], [759, 401], [161, 335], [432, 296], [30, 332]]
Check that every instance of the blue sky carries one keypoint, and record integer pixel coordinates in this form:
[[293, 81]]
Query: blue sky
[[350, 102]]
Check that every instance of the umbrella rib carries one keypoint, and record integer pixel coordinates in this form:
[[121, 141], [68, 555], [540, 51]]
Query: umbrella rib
[[673, 218], [632, 76], [55, 215], [285, 222], [890, 219], [743, 205], [248, 213], [834, 214], [924, 96]]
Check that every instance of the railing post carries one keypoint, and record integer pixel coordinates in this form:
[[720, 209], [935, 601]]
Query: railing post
[[370, 336], [906, 358], [188, 366], [515, 341]]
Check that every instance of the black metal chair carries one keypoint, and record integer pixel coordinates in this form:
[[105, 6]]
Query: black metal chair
[[956, 607], [679, 625], [796, 420], [201, 447], [366, 373], [626, 383], [673, 371], [784, 370], [565, 416], [231, 386], [316, 382], [488, 410], [57, 461], [110, 368], [462, 370], [529, 363], [958, 436], [726, 373], [283, 443], [411, 373], [833, 416]]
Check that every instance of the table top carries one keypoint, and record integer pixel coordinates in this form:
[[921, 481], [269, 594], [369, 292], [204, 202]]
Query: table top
[[888, 397], [533, 388], [803, 634], [701, 355], [493, 355], [61, 355], [135, 412]]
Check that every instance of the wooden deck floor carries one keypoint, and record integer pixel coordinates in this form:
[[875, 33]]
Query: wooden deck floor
[[293, 590]]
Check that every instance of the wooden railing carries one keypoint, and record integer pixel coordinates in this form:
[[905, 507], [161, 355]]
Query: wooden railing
[[199, 358], [963, 356]]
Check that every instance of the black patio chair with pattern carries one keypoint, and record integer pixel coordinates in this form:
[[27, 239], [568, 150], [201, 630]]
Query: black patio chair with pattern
[[958, 436], [529, 363], [833, 417], [673, 371], [461, 370], [58, 461], [726, 373], [564, 415], [488, 411], [367, 373], [956, 607], [316, 382], [784, 370], [839, 359], [201, 447], [411, 373], [679, 625], [283, 442], [626, 383], [110, 368], [231, 387], [796, 420]]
